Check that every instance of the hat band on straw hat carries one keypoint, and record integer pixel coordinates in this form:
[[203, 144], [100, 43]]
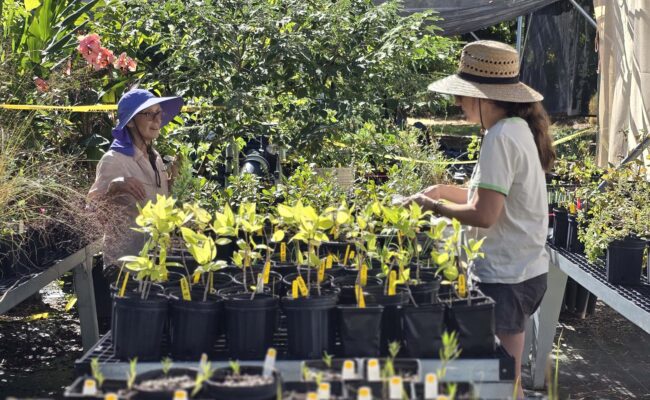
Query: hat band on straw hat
[[487, 79]]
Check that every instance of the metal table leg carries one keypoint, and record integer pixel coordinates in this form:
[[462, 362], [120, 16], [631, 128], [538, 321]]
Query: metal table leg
[[83, 286]]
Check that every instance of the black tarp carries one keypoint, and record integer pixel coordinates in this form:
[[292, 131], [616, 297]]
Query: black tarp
[[463, 16]]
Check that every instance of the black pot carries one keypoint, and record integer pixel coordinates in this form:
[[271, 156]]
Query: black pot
[[274, 285], [360, 330], [337, 249], [218, 392], [194, 325], [475, 324], [336, 270], [391, 318], [284, 268], [142, 392], [288, 280], [250, 325], [138, 326], [310, 325], [573, 243], [560, 227], [426, 291], [186, 258], [625, 261], [346, 285], [423, 328]]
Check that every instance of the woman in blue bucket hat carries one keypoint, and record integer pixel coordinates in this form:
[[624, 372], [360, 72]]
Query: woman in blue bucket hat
[[131, 172]]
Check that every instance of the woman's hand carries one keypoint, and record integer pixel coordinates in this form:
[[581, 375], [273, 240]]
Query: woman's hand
[[421, 199], [128, 185], [432, 192]]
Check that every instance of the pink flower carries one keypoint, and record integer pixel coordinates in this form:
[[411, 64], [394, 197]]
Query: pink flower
[[41, 85], [125, 63], [89, 45], [104, 59]]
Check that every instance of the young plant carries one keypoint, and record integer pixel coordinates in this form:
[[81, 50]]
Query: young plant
[[204, 373], [327, 359], [204, 251], [96, 372], [132, 372], [250, 223], [235, 367], [449, 352], [166, 364]]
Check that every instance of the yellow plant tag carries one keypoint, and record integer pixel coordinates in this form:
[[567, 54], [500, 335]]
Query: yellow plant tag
[[462, 286], [266, 272], [70, 303], [572, 208], [34, 317], [123, 288], [392, 283], [196, 277], [329, 261], [185, 289], [302, 286], [431, 386], [283, 252], [294, 289], [347, 255], [361, 301], [321, 271], [352, 254], [111, 396], [363, 275]]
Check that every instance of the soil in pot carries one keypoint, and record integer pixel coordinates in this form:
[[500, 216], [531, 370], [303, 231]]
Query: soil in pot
[[155, 384], [194, 325], [250, 324], [249, 384], [328, 373], [625, 261], [423, 328], [310, 324], [360, 330]]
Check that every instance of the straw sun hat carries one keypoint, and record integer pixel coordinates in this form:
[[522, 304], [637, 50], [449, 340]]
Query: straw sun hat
[[488, 70]]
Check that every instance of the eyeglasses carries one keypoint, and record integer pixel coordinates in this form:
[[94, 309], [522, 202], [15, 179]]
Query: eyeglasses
[[151, 115]]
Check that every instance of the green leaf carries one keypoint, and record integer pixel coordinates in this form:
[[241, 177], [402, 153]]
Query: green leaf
[[32, 4]]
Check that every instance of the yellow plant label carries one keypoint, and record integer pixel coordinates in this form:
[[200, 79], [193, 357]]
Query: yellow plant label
[[283, 252], [352, 254], [185, 289], [572, 208], [294, 289], [347, 255], [111, 396], [266, 272], [70, 303], [196, 277], [361, 301], [372, 373], [329, 261], [431, 386], [123, 288], [462, 286], [395, 388], [312, 396], [392, 283], [180, 395], [321, 271], [302, 286], [34, 317], [363, 275], [89, 388], [349, 371], [324, 391], [364, 393]]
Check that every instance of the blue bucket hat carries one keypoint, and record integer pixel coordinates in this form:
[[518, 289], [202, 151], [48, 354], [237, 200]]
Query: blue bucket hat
[[131, 103]]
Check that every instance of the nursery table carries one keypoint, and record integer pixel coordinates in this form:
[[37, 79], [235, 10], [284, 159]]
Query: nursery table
[[80, 262], [493, 377], [632, 302]]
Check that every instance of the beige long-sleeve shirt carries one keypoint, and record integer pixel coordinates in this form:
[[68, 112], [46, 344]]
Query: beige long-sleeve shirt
[[120, 211]]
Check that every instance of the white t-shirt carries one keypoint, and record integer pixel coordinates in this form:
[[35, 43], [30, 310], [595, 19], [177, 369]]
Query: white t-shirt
[[515, 245]]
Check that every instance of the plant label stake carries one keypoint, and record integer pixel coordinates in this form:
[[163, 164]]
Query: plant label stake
[[302, 286], [348, 371], [347, 255], [196, 277], [283, 252], [363, 278], [373, 370], [90, 388], [324, 391], [329, 261], [361, 301], [294, 289], [110, 396], [185, 289], [312, 396], [392, 283], [442, 397], [267, 272], [364, 393], [321, 271], [123, 288], [269, 362], [430, 386], [259, 287], [395, 388], [462, 286], [180, 395]]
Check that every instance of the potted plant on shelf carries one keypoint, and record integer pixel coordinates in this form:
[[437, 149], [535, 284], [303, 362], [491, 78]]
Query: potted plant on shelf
[[242, 382], [163, 382]]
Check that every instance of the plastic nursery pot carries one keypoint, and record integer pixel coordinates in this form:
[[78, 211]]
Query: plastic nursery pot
[[346, 285], [310, 324], [284, 268], [560, 227], [155, 384], [336, 270], [625, 261], [391, 318], [474, 322], [573, 244], [423, 328], [274, 285], [360, 330], [186, 258], [407, 368], [194, 325], [250, 324], [288, 280], [426, 291], [138, 325], [249, 385], [336, 249]]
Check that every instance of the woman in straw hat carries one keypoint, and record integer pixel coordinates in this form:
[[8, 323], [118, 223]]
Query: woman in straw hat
[[506, 200]]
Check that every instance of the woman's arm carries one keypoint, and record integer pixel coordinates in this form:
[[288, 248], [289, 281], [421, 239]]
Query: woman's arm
[[455, 194], [483, 211]]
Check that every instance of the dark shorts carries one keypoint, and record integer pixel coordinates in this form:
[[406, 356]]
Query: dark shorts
[[515, 303]]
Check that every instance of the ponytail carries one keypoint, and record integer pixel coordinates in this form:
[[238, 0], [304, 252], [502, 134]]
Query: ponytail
[[538, 122]]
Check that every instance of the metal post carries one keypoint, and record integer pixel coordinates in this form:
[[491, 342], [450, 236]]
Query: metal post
[[584, 13], [520, 24]]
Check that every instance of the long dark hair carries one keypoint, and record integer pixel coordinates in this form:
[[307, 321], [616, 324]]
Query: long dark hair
[[537, 118]]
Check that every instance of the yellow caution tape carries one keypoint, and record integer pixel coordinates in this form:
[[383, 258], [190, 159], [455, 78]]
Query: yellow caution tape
[[92, 108], [565, 139]]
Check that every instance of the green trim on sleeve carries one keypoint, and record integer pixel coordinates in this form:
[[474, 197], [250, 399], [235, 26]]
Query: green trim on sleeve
[[492, 187]]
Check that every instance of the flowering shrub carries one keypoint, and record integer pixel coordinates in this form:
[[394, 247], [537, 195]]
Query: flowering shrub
[[100, 57]]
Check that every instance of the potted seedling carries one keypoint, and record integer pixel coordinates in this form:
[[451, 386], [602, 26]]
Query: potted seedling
[[330, 369], [242, 382], [139, 316], [162, 383], [309, 309], [251, 317]]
